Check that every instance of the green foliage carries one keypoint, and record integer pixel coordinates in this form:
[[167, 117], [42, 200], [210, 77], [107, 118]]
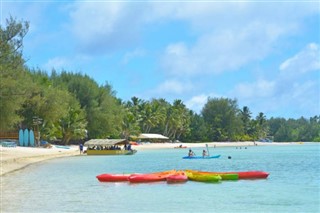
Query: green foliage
[[130, 125], [261, 125], [222, 116], [245, 116], [246, 138], [198, 129], [14, 87], [159, 116], [73, 106], [317, 139], [73, 125], [301, 129], [103, 111]]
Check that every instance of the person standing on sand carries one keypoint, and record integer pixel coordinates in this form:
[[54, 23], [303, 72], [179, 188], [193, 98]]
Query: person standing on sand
[[81, 148]]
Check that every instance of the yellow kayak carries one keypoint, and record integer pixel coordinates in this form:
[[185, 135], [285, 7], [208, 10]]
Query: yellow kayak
[[202, 177], [224, 176]]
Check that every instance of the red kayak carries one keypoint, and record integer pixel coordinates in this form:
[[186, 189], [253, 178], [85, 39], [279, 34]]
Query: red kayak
[[252, 175], [150, 177], [245, 175], [179, 177], [112, 177]]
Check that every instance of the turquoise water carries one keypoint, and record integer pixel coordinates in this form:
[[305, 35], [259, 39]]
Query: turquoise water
[[69, 184]]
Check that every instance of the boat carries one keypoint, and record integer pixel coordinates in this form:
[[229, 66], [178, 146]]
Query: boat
[[201, 157], [109, 147], [150, 177], [224, 176], [244, 174], [111, 152], [112, 177], [201, 177], [178, 177]]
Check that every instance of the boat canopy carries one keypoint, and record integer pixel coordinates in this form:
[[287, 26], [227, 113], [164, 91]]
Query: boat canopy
[[105, 142]]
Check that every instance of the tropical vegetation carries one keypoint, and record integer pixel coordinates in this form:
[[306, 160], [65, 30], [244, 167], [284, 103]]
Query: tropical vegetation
[[67, 107]]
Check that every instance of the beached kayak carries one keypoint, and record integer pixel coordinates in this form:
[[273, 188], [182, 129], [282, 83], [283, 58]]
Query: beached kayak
[[244, 174], [178, 177], [200, 157], [224, 176], [150, 177], [112, 177], [203, 177]]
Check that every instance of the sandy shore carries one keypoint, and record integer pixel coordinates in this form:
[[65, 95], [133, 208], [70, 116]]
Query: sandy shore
[[14, 158]]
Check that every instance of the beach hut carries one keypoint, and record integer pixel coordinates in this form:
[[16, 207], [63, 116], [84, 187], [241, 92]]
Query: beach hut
[[156, 138], [109, 147]]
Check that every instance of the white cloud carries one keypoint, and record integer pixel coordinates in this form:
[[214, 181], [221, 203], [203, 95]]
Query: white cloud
[[226, 45], [173, 87], [57, 63], [240, 32], [74, 63], [307, 60], [258, 89], [196, 103], [297, 95], [219, 52], [177, 60], [132, 55], [101, 27]]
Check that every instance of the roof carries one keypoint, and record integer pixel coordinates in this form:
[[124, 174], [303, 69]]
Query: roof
[[105, 142], [152, 136]]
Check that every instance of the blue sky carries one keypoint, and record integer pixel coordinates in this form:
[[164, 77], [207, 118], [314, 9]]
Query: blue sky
[[264, 54]]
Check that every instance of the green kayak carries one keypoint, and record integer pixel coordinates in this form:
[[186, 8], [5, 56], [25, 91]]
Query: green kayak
[[224, 176]]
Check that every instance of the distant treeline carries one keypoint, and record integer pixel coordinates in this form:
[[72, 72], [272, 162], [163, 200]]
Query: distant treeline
[[70, 106]]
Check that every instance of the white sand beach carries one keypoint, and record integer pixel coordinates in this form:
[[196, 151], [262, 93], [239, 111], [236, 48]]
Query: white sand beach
[[14, 158]]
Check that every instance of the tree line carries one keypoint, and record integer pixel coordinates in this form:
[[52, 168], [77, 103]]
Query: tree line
[[72, 106]]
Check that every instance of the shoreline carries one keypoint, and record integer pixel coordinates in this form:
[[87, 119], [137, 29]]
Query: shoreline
[[16, 158]]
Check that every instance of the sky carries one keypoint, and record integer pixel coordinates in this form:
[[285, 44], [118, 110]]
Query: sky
[[264, 54]]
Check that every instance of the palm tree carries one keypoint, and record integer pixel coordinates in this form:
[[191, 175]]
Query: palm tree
[[130, 125], [179, 120], [73, 125], [152, 114], [261, 125], [245, 117]]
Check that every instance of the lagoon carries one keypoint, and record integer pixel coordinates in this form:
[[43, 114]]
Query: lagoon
[[69, 184]]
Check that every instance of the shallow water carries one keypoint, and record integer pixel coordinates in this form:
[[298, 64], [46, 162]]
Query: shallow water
[[69, 184]]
